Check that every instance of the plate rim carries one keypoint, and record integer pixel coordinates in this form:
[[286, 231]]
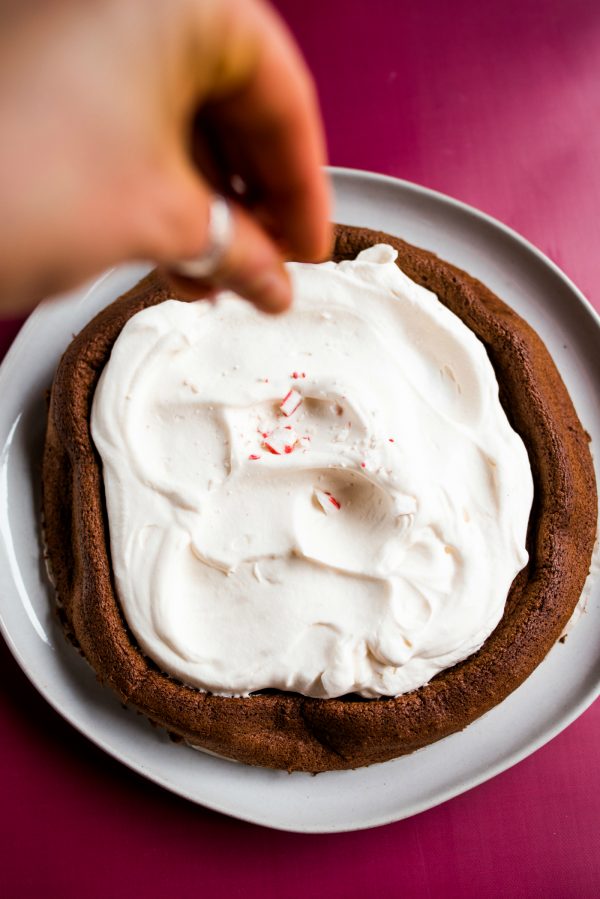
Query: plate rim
[[358, 822], [473, 211]]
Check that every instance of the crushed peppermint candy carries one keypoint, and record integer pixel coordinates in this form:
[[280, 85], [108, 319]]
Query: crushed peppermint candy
[[281, 441], [327, 501], [253, 456], [290, 402]]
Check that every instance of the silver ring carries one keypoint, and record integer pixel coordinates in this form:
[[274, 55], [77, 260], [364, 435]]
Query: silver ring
[[220, 236]]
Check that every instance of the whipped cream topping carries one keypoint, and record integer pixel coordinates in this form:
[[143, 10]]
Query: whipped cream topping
[[329, 501]]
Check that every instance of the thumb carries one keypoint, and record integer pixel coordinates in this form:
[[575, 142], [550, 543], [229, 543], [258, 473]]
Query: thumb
[[247, 261]]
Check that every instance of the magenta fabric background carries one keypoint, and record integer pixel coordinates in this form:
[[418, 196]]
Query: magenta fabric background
[[498, 104]]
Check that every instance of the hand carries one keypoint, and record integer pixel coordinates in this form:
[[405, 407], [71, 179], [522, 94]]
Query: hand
[[120, 120]]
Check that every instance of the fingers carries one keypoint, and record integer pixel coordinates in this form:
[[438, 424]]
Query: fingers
[[263, 124], [249, 263], [258, 124]]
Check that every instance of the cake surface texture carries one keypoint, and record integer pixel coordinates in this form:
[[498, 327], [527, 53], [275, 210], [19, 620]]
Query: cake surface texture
[[315, 732]]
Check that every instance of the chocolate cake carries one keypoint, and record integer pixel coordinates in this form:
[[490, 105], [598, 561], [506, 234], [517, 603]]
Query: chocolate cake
[[286, 730]]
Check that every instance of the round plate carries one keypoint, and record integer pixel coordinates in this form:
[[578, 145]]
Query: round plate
[[335, 801]]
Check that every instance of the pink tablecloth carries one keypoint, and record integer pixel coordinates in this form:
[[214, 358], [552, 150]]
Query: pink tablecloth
[[497, 103]]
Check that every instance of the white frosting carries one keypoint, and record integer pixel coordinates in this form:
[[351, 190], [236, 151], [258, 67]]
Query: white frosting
[[238, 573]]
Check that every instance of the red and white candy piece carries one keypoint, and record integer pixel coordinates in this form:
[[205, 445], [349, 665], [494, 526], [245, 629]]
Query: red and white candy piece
[[290, 402], [327, 501], [281, 441]]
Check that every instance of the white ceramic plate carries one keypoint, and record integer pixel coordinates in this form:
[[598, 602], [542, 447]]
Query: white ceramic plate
[[336, 801]]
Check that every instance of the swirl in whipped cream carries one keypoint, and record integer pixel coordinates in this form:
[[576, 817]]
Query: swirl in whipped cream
[[357, 538]]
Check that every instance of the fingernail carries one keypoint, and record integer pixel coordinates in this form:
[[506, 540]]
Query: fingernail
[[271, 291]]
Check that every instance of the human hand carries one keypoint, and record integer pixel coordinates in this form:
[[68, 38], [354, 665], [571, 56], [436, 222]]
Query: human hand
[[120, 120]]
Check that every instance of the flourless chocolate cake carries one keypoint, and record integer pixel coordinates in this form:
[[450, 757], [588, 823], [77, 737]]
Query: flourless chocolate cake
[[285, 730]]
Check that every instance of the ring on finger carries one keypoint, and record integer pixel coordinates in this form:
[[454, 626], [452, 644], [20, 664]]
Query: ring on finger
[[219, 240]]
